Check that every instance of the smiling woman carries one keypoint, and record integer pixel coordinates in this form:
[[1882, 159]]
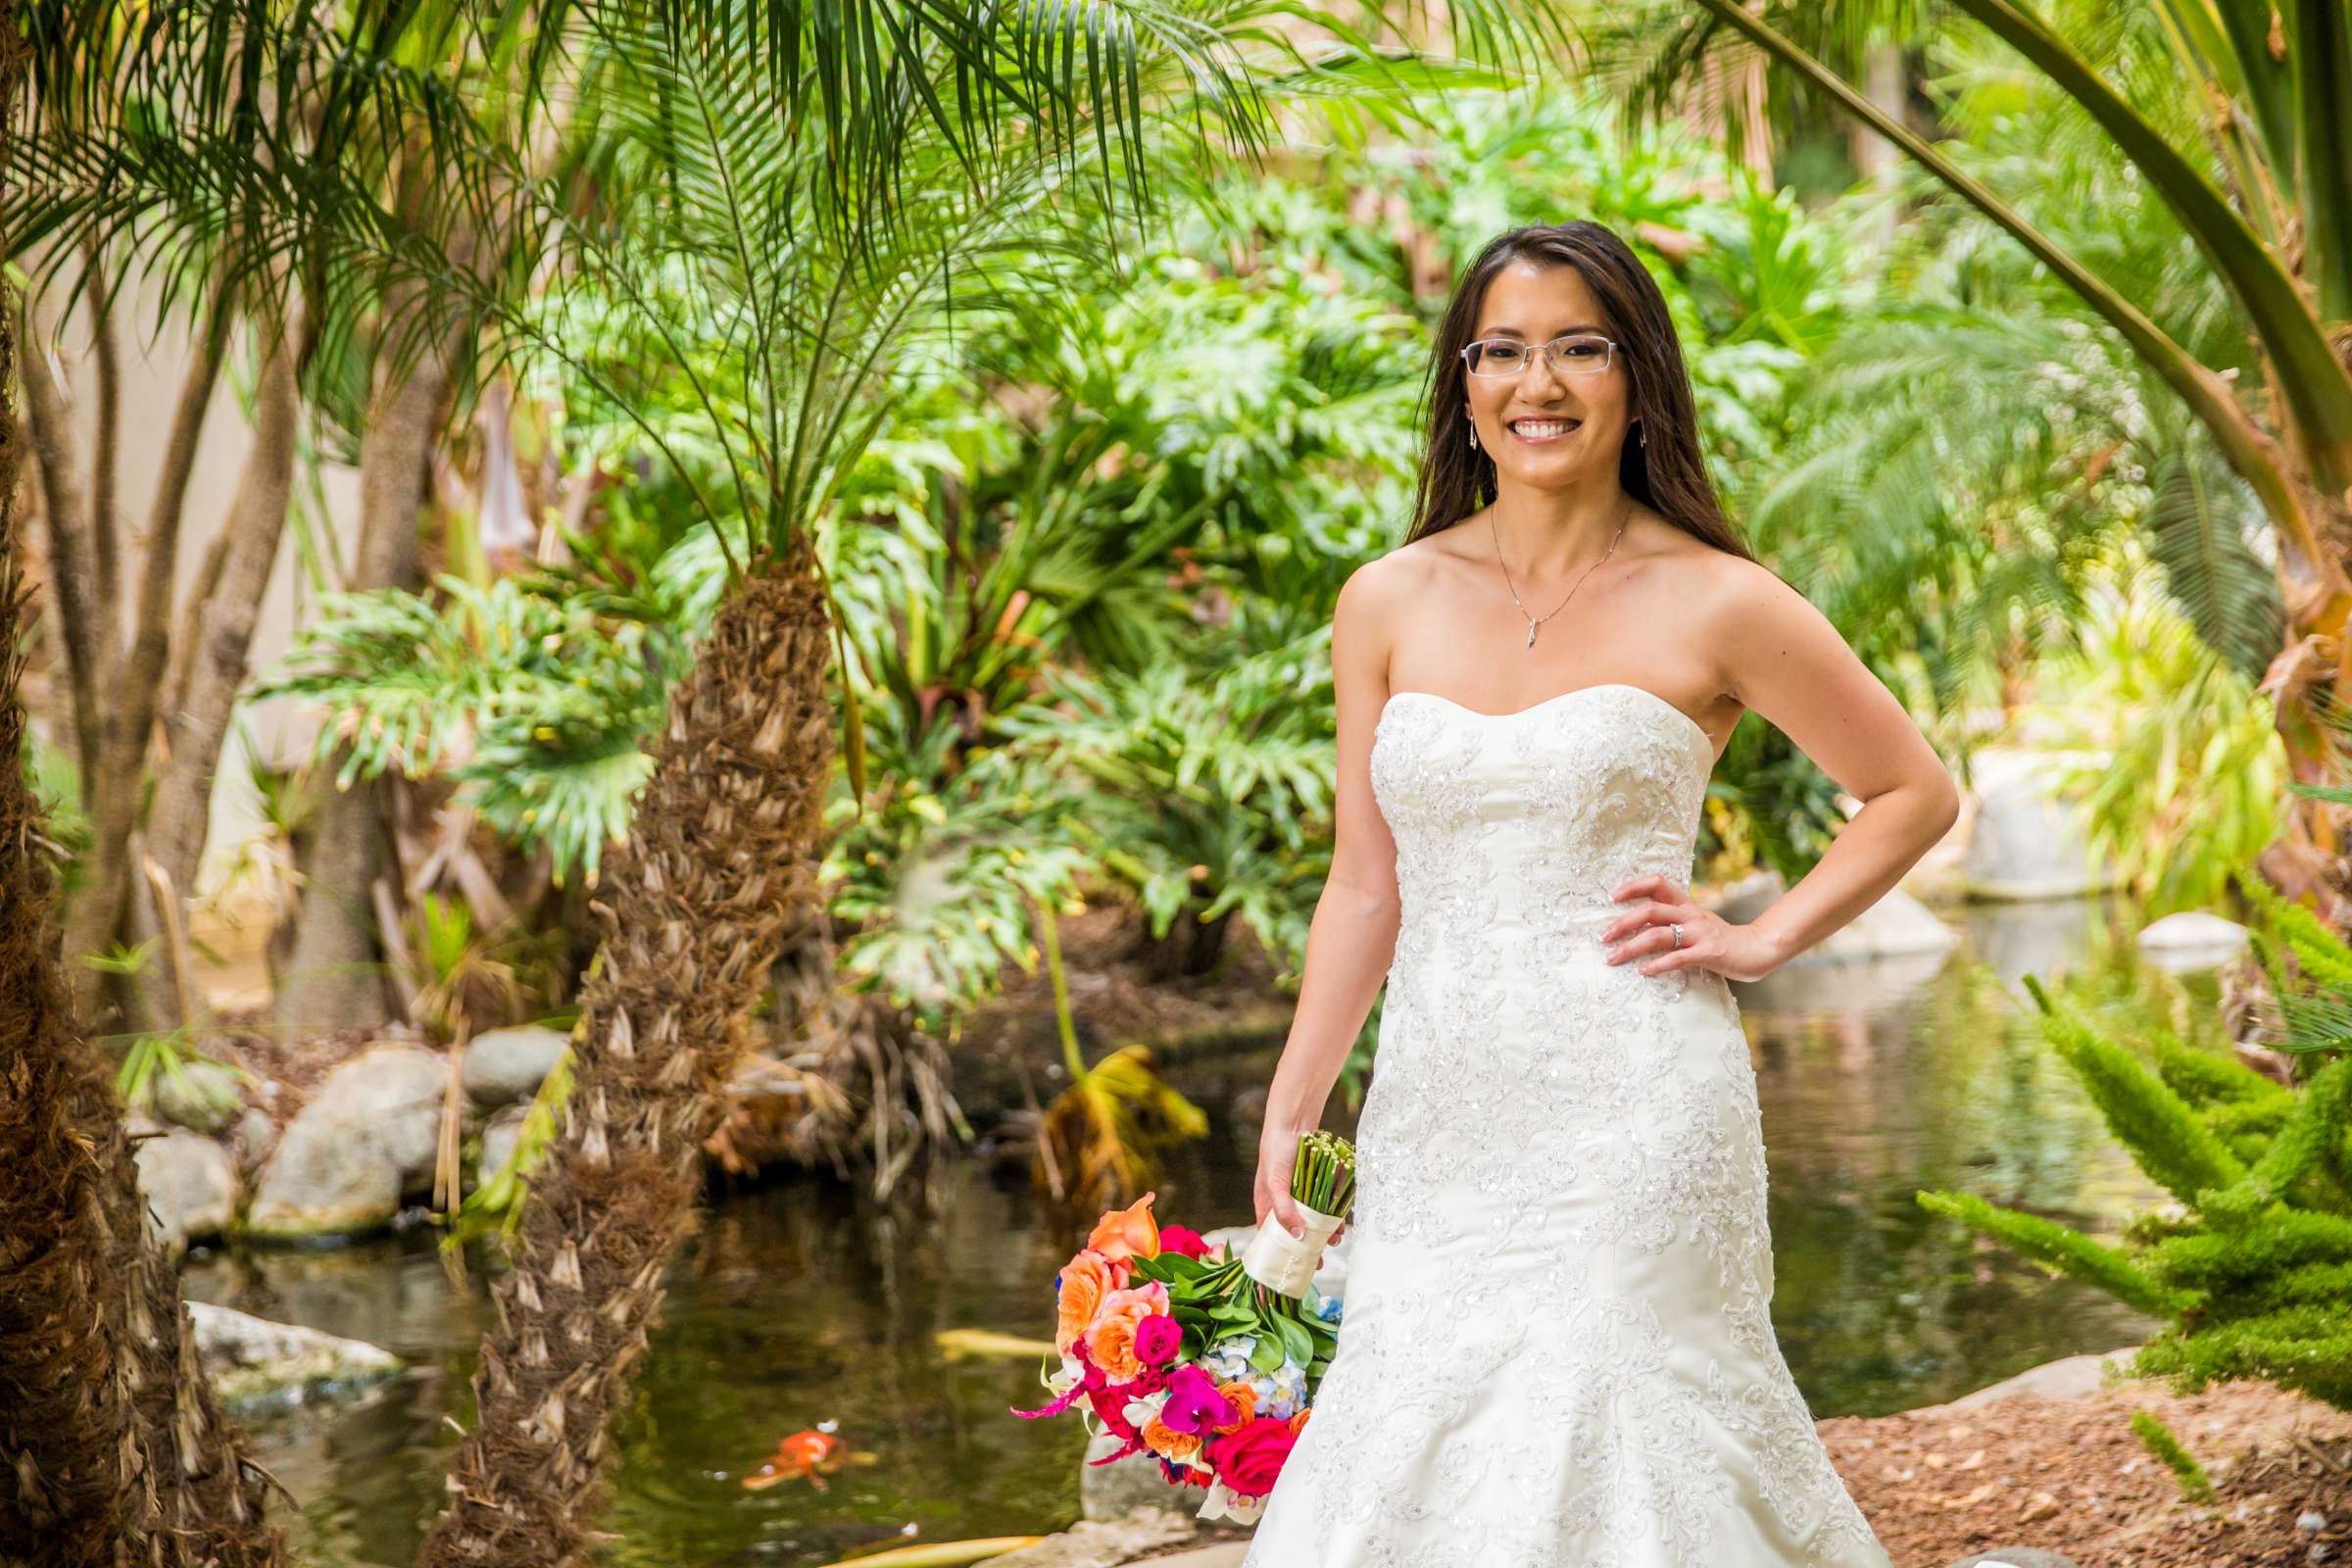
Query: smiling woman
[[1559, 1345]]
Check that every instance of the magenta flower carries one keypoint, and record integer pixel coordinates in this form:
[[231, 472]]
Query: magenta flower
[[1194, 1404], [1183, 1239], [1157, 1338]]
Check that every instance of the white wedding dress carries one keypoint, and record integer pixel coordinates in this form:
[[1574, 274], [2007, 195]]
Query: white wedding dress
[[1555, 1347]]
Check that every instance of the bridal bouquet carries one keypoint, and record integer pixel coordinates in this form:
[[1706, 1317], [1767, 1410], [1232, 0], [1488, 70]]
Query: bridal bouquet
[[1205, 1360]]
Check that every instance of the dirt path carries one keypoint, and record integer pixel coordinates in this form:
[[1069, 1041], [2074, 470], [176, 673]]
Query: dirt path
[[2069, 1475]]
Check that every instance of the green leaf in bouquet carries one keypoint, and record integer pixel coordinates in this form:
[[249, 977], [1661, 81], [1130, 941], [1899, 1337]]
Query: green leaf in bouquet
[[1266, 1354], [1296, 1342], [1192, 1319], [1161, 1268]]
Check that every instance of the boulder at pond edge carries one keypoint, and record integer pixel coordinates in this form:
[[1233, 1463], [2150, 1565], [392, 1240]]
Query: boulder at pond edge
[[368, 1135]]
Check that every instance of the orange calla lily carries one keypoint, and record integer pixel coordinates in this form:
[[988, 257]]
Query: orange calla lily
[[1129, 1232]]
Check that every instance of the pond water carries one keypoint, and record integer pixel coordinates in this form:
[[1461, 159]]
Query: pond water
[[799, 1302]]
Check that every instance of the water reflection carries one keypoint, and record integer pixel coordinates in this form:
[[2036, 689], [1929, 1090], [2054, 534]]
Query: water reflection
[[799, 1303]]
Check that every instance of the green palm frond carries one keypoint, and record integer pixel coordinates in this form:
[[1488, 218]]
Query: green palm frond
[[534, 705], [2203, 521]]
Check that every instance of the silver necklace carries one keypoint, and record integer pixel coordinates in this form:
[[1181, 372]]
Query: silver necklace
[[1534, 621]]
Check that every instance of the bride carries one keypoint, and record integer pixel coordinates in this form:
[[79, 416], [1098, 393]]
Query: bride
[[1557, 1350]]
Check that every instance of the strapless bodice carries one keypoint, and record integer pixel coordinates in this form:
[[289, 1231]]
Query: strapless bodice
[[1521, 824]]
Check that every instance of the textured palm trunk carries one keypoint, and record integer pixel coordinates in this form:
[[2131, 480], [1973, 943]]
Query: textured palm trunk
[[112, 1449], [725, 846], [64, 1397]]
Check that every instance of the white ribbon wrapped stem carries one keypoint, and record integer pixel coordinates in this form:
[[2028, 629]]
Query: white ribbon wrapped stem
[[1283, 1262]]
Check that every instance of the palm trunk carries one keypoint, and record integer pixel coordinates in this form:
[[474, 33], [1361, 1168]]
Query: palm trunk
[[65, 1399], [332, 977], [114, 759], [112, 1446], [177, 821], [726, 841]]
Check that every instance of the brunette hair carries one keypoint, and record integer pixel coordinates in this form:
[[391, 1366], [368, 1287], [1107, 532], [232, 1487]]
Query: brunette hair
[[1667, 473]]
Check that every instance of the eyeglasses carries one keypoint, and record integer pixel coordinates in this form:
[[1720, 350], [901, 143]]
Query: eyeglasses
[[1577, 353]]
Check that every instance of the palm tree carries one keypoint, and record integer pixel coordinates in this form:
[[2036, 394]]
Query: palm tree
[[114, 1445], [2234, 118]]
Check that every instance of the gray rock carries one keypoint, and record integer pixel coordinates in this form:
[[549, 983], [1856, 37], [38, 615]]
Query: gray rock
[[255, 1137], [498, 1142], [255, 1364], [1110, 1492], [2061, 1379], [203, 1095], [1750, 896], [326, 1179], [2191, 939], [2026, 842], [2016, 1557], [505, 1065], [189, 1185], [1896, 926], [1105, 1543], [367, 1137]]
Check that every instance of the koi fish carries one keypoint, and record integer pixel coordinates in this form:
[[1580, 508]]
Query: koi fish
[[809, 1454]]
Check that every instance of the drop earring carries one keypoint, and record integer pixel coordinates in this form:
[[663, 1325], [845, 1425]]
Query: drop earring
[[1640, 434], [1473, 424]]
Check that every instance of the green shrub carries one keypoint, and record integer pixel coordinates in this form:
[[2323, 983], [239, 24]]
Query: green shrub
[[2254, 1272]]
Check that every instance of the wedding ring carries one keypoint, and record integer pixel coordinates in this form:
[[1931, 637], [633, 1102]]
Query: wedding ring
[[1678, 936]]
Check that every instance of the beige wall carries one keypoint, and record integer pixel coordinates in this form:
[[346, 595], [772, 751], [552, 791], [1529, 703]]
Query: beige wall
[[153, 365]]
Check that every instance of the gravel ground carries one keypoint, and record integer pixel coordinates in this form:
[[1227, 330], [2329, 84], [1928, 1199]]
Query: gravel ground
[[2071, 1476]]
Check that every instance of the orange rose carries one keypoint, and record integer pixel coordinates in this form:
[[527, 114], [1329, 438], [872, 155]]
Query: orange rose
[[1129, 1232], [1175, 1445], [1085, 1280], [1299, 1420], [1244, 1400], [1111, 1338]]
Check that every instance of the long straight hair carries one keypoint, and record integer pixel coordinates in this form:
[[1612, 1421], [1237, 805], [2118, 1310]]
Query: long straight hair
[[1667, 473]]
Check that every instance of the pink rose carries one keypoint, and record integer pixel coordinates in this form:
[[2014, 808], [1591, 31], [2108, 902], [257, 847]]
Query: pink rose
[[1183, 1239], [1251, 1457], [1157, 1338]]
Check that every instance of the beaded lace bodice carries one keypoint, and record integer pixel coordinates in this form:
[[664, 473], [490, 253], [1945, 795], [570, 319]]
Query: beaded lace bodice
[[1536, 817]]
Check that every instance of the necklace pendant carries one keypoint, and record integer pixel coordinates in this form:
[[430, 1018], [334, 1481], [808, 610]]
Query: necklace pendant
[[1531, 633]]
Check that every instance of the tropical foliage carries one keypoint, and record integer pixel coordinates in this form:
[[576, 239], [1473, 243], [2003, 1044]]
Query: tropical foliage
[[2225, 118]]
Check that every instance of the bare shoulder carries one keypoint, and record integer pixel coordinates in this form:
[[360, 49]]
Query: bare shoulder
[[1710, 585], [1771, 643], [1388, 584], [1732, 588]]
